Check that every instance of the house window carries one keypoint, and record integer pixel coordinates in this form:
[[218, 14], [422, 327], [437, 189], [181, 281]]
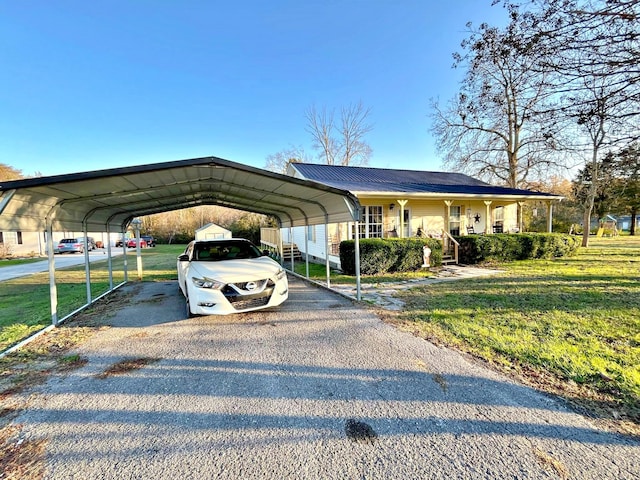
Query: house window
[[311, 233], [371, 224], [454, 220], [498, 220], [11, 238]]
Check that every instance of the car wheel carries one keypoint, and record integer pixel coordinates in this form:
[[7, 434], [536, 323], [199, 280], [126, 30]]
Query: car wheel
[[188, 307]]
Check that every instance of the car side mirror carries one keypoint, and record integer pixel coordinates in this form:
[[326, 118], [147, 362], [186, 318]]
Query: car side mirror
[[183, 258], [266, 253]]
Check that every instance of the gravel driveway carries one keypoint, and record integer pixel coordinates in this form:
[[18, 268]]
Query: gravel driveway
[[319, 388]]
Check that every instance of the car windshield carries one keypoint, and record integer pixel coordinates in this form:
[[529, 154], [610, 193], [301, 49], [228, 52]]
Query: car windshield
[[215, 252]]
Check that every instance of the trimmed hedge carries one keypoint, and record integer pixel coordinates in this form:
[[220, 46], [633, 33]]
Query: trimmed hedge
[[504, 247], [383, 255]]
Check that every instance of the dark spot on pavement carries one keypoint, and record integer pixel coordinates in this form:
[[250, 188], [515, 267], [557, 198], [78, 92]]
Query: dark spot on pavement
[[359, 431]]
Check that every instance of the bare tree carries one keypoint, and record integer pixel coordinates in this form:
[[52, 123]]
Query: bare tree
[[9, 173], [498, 127], [340, 143], [279, 161], [592, 49]]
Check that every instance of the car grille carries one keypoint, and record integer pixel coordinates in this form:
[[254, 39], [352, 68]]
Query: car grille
[[242, 301], [253, 303]]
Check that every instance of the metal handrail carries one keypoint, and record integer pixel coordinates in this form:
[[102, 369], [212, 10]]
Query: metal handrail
[[446, 238]]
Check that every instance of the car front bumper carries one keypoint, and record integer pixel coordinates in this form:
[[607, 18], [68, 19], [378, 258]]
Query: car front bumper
[[207, 301]]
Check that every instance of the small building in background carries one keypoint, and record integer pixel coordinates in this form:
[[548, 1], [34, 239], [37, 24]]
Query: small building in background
[[211, 231]]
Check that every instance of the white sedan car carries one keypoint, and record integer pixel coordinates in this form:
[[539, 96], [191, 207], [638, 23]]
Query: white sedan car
[[229, 276]]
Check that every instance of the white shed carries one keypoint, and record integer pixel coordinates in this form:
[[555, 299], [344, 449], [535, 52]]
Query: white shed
[[211, 231]]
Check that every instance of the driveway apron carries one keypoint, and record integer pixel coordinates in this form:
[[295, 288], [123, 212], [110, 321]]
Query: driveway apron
[[318, 388]]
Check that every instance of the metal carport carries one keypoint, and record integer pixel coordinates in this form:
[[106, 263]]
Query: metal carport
[[108, 200]]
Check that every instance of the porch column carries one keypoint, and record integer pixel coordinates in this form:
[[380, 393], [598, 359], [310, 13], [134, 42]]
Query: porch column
[[520, 221], [447, 214], [402, 204], [550, 217], [488, 229]]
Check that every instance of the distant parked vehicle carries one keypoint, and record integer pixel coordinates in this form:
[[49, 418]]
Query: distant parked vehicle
[[133, 243], [70, 245], [151, 242], [91, 243]]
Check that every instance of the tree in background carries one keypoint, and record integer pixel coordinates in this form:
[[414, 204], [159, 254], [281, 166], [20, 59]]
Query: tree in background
[[565, 214], [8, 173], [626, 188], [340, 143], [560, 81], [179, 226], [596, 185], [279, 161], [498, 127]]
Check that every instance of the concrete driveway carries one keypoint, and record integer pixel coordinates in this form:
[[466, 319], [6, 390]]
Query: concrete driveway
[[319, 388]]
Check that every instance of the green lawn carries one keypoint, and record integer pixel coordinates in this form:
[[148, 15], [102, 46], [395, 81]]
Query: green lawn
[[25, 305], [8, 262], [576, 318]]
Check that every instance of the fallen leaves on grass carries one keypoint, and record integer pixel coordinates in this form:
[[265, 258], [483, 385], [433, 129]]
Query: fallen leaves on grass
[[21, 458]]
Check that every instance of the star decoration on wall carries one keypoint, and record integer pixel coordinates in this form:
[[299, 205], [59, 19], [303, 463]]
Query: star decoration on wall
[[477, 218]]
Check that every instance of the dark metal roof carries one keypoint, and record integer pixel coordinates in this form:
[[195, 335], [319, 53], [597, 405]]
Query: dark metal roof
[[384, 180], [114, 197]]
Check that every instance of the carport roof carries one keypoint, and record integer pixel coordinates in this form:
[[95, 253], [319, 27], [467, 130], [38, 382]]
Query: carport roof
[[112, 198]]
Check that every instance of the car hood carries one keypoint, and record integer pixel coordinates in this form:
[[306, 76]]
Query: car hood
[[231, 271]]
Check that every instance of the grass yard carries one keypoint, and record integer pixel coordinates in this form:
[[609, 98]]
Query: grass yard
[[25, 305], [571, 325]]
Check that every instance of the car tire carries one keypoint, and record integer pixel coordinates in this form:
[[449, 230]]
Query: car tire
[[188, 307]]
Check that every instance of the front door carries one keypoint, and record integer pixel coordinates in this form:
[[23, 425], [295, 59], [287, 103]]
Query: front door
[[407, 222]]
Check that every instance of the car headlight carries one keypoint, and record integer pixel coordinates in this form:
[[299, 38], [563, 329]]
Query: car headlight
[[281, 274], [207, 283]]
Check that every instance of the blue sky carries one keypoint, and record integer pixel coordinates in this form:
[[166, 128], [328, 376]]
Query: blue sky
[[93, 85]]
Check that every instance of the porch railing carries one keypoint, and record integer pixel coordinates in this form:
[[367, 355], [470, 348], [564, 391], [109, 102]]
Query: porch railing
[[450, 247]]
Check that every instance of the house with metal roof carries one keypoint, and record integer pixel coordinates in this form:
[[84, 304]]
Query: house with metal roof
[[408, 203]]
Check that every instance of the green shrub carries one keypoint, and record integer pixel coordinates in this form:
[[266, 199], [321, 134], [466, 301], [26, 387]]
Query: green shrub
[[385, 255], [504, 247]]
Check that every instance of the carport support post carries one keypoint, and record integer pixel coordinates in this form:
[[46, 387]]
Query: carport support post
[[136, 225], [53, 290], [326, 250], [306, 249], [109, 260], [124, 256], [280, 247], [87, 268], [357, 254], [291, 248]]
